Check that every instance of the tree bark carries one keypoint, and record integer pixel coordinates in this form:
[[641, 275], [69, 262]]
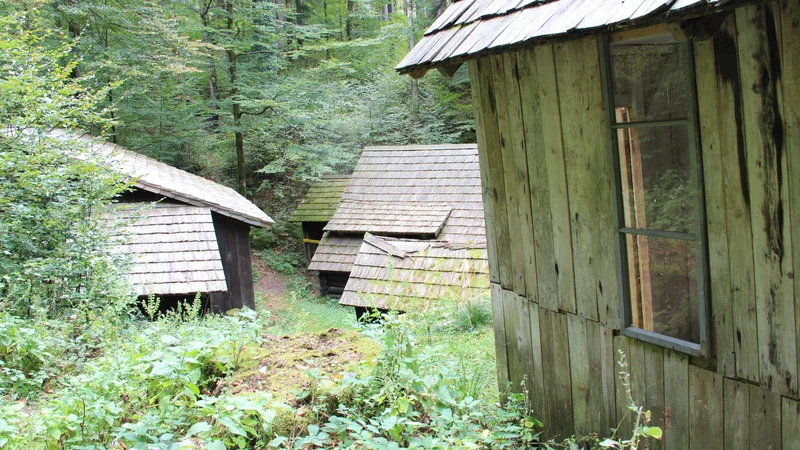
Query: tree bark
[[412, 40], [351, 7], [241, 186]]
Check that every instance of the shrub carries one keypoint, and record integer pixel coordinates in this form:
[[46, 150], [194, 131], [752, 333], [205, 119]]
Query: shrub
[[473, 314]]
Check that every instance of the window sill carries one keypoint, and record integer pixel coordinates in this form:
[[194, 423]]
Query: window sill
[[678, 345]]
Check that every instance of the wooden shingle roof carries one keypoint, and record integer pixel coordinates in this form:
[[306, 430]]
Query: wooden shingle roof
[[322, 199], [472, 28], [173, 248], [403, 274], [391, 182], [163, 179]]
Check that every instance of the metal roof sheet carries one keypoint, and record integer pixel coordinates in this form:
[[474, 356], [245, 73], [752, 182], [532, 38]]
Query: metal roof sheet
[[470, 28]]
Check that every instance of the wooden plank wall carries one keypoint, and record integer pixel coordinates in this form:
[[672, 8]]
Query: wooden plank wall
[[233, 237], [547, 184]]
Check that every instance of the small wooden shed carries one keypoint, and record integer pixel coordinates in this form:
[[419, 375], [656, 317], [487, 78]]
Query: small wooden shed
[[640, 162], [185, 234], [422, 192], [317, 208]]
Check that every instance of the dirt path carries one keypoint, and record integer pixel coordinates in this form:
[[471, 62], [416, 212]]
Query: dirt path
[[271, 284]]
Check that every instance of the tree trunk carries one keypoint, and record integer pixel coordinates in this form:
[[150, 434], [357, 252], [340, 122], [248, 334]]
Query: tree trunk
[[385, 12], [411, 42], [241, 186], [279, 18], [351, 7]]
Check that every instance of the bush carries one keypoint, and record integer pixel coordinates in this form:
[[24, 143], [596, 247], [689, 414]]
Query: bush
[[473, 314]]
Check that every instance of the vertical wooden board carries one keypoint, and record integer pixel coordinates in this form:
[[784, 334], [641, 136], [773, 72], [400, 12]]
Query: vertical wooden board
[[765, 419], [524, 343], [604, 366], [556, 373], [770, 220], [536, 378], [737, 415], [593, 400], [737, 200], [676, 401], [705, 409], [637, 368], [518, 168], [654, 395], [580, 374], [554, 168], [790, 64], [485, 125], [585, 139], [717, 229], [545, 262], [512, 201], [623, 419], [790, 415], [516, 369], [500, 337]]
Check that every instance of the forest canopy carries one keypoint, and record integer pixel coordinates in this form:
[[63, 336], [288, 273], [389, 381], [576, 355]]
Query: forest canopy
[[264, 96]]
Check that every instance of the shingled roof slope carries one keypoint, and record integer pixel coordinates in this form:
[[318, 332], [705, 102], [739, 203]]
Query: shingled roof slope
[[472, 28], [322, 199], [404, 274], [160, 178], [389, 218], [173, 248], [403, 177]]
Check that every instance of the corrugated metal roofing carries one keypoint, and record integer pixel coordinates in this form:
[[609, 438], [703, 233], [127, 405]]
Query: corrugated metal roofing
[[163, 179], [470, 28], [173, 248], [425, 273], [401, 178], [322, 199]]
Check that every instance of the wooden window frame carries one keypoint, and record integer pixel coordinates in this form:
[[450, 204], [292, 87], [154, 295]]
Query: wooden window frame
[[699, 236]]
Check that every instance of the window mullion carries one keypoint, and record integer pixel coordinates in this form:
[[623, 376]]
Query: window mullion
[[650, 123]]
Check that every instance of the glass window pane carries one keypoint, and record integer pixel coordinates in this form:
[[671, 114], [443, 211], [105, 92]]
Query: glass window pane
[[649, 78], [655, 168], [663, 286]]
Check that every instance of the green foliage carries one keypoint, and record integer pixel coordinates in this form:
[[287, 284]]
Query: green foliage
[[473, 314]]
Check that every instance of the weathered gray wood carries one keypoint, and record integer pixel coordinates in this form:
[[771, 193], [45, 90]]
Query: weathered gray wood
[[535, 381], [491, 155], [705, 409], [546, 275], [623, 416], [737, 201], [790, 414], [585, 137], [520, 188], [790, 64], [716, 223], [561, 228], [654, 395], [481, 125], [512, 322], [500, 337], [737, 415], [765, 419], [676, 401], [556, 373], [770, 220], [524, 343]]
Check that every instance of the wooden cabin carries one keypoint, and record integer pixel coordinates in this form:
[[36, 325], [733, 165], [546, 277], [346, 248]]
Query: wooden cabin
[[640, 163], [317, 208], [423, 192], [185, 235]]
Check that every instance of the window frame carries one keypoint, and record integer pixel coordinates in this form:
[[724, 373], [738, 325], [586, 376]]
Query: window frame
[[699, 236]]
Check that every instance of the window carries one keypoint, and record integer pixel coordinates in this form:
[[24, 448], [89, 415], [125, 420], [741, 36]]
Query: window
[[650, 102]]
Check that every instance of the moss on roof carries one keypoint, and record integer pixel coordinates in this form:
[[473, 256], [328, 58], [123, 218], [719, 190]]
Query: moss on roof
[[322, 199]]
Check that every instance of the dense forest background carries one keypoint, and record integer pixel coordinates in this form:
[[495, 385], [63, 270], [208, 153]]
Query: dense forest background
[[263, 96]]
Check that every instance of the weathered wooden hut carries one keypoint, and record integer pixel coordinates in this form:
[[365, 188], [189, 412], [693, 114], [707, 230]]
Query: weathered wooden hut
[[317, 208], [426, 192], [640, 162], [196, 239]]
